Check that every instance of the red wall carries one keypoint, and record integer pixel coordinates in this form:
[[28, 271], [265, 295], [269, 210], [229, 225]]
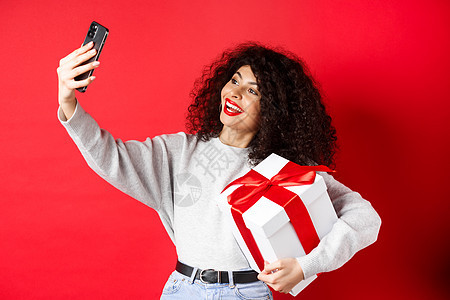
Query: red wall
[[383, 68]]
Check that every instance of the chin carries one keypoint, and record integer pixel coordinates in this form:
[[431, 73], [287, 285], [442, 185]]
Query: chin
[[227, 120]]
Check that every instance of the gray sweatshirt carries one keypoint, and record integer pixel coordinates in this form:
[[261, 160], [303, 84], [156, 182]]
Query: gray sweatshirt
[[180, 177]]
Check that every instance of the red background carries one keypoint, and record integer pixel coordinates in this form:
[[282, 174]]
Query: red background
[[383, 68]]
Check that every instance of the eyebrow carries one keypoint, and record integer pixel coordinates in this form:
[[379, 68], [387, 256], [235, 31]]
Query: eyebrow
[[251, 82]]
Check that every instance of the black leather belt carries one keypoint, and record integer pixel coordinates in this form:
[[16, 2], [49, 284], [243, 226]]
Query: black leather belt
[[213, 276]]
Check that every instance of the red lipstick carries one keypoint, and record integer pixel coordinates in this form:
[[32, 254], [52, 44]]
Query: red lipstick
[[231, 108]]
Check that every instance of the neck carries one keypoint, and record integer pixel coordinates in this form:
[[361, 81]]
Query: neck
[[236, 138]]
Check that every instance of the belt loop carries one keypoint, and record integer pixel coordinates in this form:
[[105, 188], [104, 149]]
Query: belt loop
[[230, 279], [194, 273]]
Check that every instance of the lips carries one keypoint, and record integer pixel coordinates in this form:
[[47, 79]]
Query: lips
[[231, 108]]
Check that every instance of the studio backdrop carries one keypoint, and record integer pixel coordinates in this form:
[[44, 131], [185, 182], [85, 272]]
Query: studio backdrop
[[382, 66]]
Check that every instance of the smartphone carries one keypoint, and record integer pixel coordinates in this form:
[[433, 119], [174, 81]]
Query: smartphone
[[98, 34]]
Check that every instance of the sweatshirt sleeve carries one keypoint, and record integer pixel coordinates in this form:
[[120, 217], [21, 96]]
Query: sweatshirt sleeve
[[139, 169], [357, 227]]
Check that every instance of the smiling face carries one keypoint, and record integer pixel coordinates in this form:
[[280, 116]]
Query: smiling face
[[241, 103]]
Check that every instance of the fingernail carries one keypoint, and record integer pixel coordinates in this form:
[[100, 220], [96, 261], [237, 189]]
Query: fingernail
[[95, 63], [90, 43], [92, 51], [93, 78]]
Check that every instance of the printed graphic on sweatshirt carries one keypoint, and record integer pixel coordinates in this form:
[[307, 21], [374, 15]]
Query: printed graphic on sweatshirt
[[213, 161], [187, 190]]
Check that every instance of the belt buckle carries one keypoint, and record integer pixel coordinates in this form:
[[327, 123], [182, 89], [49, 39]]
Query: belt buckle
[[203, 281]]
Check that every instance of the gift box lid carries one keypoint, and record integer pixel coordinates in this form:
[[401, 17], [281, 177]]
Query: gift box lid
[[265, 217], [271, 165]]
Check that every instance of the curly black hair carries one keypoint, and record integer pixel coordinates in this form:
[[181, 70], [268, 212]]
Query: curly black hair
[[293, 120]]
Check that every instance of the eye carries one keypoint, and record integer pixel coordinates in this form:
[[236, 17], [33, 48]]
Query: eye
[[234, 81], [252, 91]]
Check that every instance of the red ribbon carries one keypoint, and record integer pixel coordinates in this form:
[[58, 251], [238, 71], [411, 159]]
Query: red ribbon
[[255, 185]]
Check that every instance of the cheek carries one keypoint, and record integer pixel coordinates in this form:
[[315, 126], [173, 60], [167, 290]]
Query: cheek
[[225, 90], [254, 109]]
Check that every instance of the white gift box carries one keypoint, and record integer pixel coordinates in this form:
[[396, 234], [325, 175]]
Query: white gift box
[[270, 225]]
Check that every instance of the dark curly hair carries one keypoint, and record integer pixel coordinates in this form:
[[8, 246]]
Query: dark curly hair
[[293, 121]]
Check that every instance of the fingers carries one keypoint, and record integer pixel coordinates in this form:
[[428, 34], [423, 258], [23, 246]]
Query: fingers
[[79, 84], [282, 275], [274, 280], [272, 267], [77, 52], [82, 69], [271, 277], [70, 62], [79, 59], [269, 274], [67, 75], [71, 66]]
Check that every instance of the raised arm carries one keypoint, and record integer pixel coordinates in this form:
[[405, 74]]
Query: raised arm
[[139, 169]]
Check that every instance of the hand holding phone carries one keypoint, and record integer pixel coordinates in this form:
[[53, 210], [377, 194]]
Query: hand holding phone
[[96, 34], [75, 70]]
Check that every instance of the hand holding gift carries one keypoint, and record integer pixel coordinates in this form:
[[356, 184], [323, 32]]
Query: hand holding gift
[[282, 275]]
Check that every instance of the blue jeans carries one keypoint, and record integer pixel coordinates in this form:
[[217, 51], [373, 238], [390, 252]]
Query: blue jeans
[[182, 287]]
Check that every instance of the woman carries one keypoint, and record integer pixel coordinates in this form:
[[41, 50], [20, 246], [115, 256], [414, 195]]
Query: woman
[[251, 102]]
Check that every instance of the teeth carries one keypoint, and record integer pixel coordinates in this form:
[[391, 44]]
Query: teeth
[[231, 106]]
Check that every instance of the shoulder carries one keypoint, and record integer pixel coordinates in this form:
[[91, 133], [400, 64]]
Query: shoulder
[[177, 139], [181, 141]]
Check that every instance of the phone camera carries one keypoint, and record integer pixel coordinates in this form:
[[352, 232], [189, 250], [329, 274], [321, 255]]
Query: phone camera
[[92, 30]]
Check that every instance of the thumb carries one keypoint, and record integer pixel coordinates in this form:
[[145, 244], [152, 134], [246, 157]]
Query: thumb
[[271, 267]]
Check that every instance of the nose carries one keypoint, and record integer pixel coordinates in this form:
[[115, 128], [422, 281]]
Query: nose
[[236, 93]]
